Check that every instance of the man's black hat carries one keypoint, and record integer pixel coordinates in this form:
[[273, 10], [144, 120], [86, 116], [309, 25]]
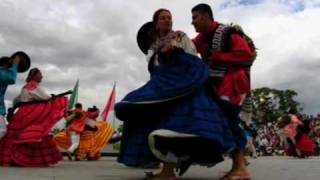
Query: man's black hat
[[24, 63]]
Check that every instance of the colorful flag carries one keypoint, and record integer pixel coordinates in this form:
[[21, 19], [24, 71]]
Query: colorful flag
[[74, 96], [110, 104]]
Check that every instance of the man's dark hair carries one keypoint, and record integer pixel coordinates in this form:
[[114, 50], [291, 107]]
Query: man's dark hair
[[78, 105], [204, 9], [4, 60], [92, 109]]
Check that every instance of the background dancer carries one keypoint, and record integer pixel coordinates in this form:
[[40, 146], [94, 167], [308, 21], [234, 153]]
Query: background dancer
[[8, 76], [75, 126], [93, 138], [27, 142]]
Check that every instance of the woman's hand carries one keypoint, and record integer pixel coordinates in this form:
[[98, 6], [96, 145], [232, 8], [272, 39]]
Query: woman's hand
[[16, 60], [166, 48]]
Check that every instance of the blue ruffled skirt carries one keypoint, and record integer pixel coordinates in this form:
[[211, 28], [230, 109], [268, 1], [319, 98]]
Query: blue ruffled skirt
[[174, 99]]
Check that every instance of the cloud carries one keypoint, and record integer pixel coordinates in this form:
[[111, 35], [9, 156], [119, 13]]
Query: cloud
[[95, 41]]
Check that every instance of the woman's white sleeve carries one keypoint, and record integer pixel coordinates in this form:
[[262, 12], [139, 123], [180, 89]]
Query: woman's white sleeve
[[187, 45], [39, 94], [149, 56]]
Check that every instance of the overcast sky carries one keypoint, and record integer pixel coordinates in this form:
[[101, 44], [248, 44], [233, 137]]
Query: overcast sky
[[95, 41]]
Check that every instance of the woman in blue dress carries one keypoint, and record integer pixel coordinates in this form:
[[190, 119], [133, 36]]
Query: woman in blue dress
[[172, 119]]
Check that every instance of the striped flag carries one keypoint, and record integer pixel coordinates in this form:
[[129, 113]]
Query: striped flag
[[110, 104], [74, 96]]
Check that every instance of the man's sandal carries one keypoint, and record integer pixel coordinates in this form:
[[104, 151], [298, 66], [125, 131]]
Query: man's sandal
[[235, 177]]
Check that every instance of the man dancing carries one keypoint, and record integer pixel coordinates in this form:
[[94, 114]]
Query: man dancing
[[229, 57]]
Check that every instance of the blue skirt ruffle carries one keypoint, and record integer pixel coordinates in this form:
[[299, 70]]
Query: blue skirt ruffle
[[174, 99], [169, 83]]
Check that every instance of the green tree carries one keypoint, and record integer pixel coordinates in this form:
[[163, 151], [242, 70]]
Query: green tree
[[269, 104]]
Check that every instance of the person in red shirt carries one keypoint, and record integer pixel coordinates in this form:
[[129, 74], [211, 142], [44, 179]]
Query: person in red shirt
[[76, 124], [228, 56]]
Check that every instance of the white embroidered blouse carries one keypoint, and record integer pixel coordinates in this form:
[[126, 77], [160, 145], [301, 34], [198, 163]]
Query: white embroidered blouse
[[30, 92]]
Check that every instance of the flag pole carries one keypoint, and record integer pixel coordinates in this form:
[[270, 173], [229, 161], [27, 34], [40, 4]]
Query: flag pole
[[113, 119], [74, 96], [109, 105]]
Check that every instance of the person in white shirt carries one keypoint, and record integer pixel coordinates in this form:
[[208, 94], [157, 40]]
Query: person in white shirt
[[32, 91]]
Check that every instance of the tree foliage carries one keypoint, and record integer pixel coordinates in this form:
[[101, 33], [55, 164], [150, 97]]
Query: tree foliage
[[269, 104]]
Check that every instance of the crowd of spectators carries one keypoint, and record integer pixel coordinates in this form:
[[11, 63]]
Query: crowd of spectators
[[270, 139]]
